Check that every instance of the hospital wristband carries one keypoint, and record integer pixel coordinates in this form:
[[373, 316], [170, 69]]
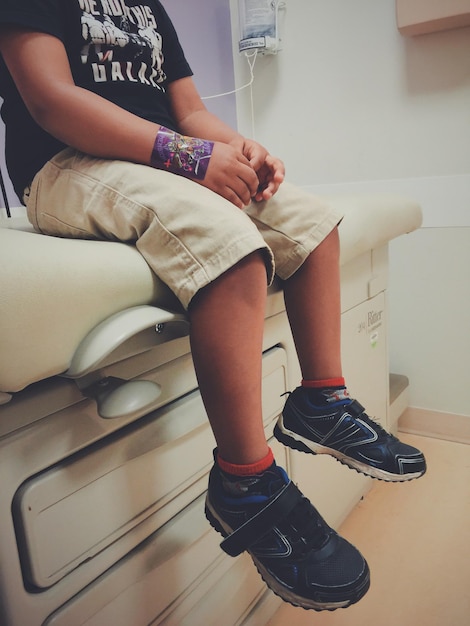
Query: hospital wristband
[[187, 156]]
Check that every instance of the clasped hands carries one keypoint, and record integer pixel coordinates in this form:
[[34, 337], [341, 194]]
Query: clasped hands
[[243, 171]]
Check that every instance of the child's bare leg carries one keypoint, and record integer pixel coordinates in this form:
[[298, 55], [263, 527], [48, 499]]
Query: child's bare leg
[[250, 500], [312, 297], [227, 321], [319, 416]]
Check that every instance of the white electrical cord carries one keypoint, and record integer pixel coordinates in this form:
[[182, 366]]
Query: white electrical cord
[[279, 6], [251, 58], [252, 102]]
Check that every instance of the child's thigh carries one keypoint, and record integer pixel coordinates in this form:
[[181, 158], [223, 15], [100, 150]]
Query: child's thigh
[[187, 234]]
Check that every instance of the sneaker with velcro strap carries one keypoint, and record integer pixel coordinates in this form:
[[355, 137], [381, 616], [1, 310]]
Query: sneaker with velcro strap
[[300, 558]]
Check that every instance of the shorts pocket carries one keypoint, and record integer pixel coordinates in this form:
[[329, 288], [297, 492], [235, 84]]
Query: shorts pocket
[[56, 198]]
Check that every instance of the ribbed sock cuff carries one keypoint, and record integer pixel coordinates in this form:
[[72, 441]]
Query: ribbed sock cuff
[[249, 469], [327, 383]]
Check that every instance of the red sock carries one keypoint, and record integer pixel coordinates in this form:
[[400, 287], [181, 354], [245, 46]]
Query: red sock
[[246, 470], [322, 384], [328, 391]]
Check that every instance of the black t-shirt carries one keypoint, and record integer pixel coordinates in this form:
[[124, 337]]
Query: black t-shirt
[[124, 50]]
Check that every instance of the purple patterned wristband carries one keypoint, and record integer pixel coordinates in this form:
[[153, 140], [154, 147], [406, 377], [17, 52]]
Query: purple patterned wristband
[[187, 156]]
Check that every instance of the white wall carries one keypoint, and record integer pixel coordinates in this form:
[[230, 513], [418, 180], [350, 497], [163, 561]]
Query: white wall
[[350, 104]]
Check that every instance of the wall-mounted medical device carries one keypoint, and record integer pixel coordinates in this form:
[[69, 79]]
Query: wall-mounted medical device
[[259, 25]]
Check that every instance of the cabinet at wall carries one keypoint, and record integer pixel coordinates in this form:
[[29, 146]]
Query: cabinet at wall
[[419, 17]]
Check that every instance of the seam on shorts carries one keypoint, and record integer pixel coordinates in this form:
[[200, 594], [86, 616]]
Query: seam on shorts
[[192, 285], [103, 189], [192, 263], [301, 251], [194, 266]]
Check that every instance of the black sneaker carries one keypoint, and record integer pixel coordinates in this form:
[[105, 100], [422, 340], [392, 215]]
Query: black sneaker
[[343, 430], [297, 554]]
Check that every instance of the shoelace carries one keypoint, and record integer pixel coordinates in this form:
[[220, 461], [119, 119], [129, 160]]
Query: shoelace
[[382, 433], [306, 525]]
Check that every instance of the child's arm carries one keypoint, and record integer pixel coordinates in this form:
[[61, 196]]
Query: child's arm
[[79, 118], [39, 66]]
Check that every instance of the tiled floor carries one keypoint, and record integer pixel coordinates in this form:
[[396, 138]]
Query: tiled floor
[[416, 538]]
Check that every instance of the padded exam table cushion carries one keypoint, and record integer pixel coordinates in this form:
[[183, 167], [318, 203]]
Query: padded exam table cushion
[[55, 291]]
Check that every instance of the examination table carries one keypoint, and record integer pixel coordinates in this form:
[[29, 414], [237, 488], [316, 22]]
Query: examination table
[[105, 448]]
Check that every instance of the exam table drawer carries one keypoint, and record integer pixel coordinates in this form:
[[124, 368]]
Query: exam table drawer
[[122, 489], [170, 579], [140, 586]]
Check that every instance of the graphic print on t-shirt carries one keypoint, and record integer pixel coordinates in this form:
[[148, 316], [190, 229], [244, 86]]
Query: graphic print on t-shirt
[[121, 43]]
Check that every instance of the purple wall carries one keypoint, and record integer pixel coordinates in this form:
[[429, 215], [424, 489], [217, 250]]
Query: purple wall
[[204, 29]]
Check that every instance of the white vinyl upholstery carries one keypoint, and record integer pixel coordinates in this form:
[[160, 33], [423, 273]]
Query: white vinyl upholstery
[[55, 291]]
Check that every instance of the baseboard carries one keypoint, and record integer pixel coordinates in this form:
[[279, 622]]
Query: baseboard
[[447, 426]]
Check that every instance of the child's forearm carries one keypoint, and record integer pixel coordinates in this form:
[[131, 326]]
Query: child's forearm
[[193, 118], [204, 124]]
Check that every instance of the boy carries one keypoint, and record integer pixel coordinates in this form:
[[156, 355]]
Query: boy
[[107, 137]]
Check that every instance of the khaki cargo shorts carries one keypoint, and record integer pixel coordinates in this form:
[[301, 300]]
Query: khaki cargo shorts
[[187, 234]]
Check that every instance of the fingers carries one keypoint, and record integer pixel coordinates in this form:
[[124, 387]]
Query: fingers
[[270, 177], [241, 183], [276, 166], [230, 175], [243, 177], [239, 191]]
